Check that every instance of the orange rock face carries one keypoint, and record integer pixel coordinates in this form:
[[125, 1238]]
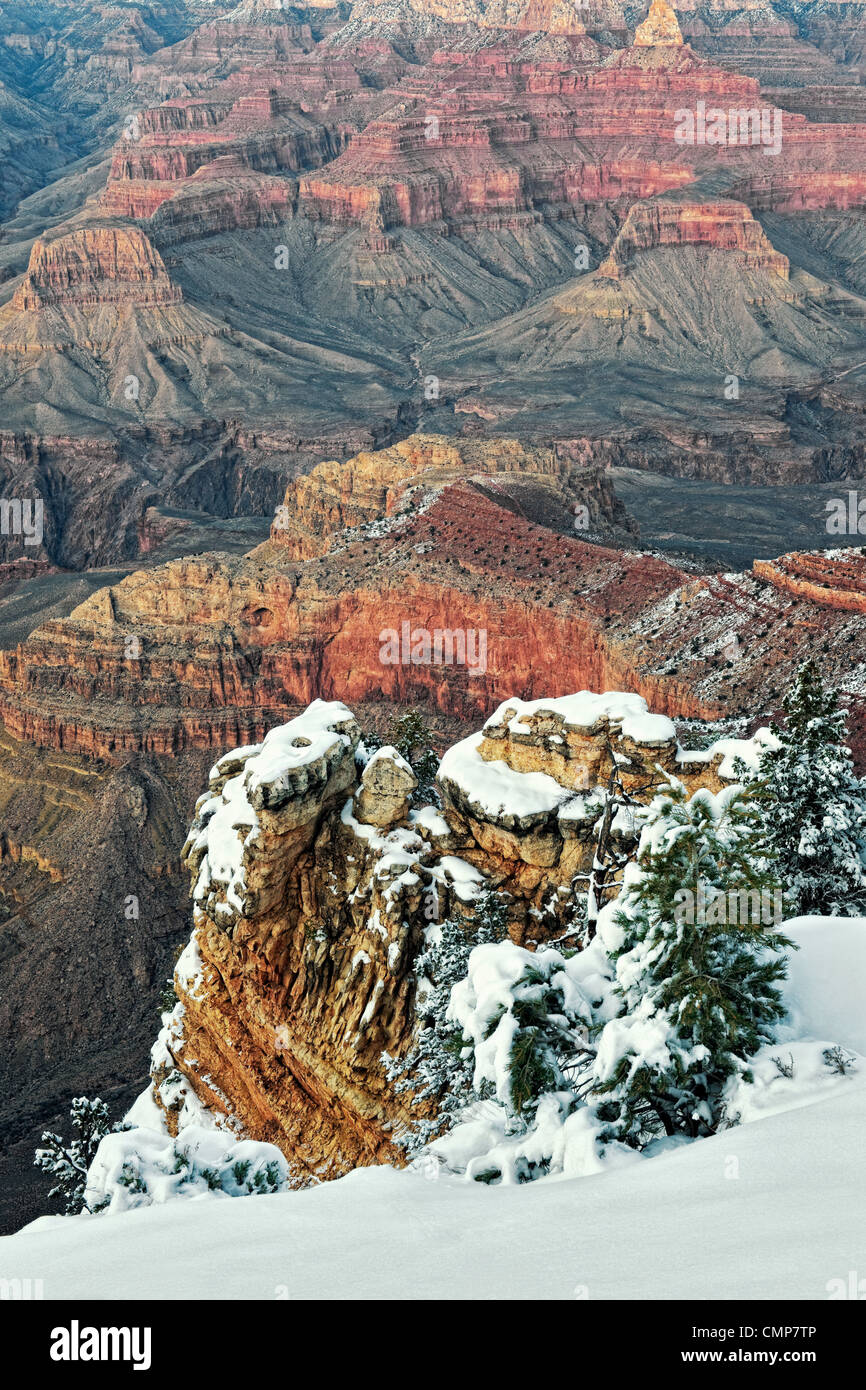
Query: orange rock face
[[313, 890], [278, 118], [95, 265], [660, 27], [727, 226]]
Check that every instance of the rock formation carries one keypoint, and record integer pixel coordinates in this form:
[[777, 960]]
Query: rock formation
[[336, 496], [313, 888], [212, 651], [659, 27], [724, 226], [92, 266]]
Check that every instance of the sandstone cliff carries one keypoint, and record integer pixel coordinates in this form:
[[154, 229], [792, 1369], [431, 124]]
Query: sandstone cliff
[[336, 497], [725, 226], [314, 886], [95, 265], [210, 651]]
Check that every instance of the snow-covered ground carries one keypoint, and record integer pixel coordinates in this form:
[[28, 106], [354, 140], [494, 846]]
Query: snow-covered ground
[[677, 1226], [770, 1209]]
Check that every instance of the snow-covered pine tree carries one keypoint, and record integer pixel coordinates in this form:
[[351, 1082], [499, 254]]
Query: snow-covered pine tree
[[620, 810], [67, 1164], [813, 804], [410, 735], [699, 990], [547, 1050], [441, 1064]]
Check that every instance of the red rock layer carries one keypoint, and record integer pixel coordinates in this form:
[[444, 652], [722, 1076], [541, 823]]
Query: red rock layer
[[726, 226], [95, 265], [207, 652], [478, 134], [832, 580], [282, 116]]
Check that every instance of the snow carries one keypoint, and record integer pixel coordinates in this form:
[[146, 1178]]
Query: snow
[[189, 971], [431, 820], [497, 789], [680, 1225], [144, 1113], [648, 728], [671, 1225], [771, 1091], [582, 808], [302, 741], [464, 878], [585, 709], [732, 750], [228, 824], [826, 985]]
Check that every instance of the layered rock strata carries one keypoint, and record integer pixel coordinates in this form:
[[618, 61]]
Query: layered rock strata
[[206, 652], [315, 887]]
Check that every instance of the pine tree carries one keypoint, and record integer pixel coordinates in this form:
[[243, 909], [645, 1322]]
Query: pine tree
[[66, 1163], [410, 735], [813, 805], [441, 1064], [547, 1051], [621, 808], [696, 970]]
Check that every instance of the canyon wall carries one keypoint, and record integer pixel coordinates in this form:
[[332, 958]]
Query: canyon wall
[[210, 651]]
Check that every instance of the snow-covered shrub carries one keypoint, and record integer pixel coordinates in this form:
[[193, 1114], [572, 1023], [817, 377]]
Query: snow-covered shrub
[[784, 1077], [67, 1164], [140, 1167], [528, 1016], [527, 1020], [648, 1035], [441, 1065], [699, 993], [813, 804], [538, 1120]]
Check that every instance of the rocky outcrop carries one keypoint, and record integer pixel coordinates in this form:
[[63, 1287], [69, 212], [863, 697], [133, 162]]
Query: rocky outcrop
[[276, 118], [659, 27], [804, 190], [313, 885], [95, 265], [830, 579], [723, 226], [387, 783], [335, 497], [300, 965]]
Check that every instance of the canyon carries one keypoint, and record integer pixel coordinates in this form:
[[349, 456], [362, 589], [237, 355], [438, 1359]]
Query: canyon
[[408, 285], [409, 197], [207, 651]]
